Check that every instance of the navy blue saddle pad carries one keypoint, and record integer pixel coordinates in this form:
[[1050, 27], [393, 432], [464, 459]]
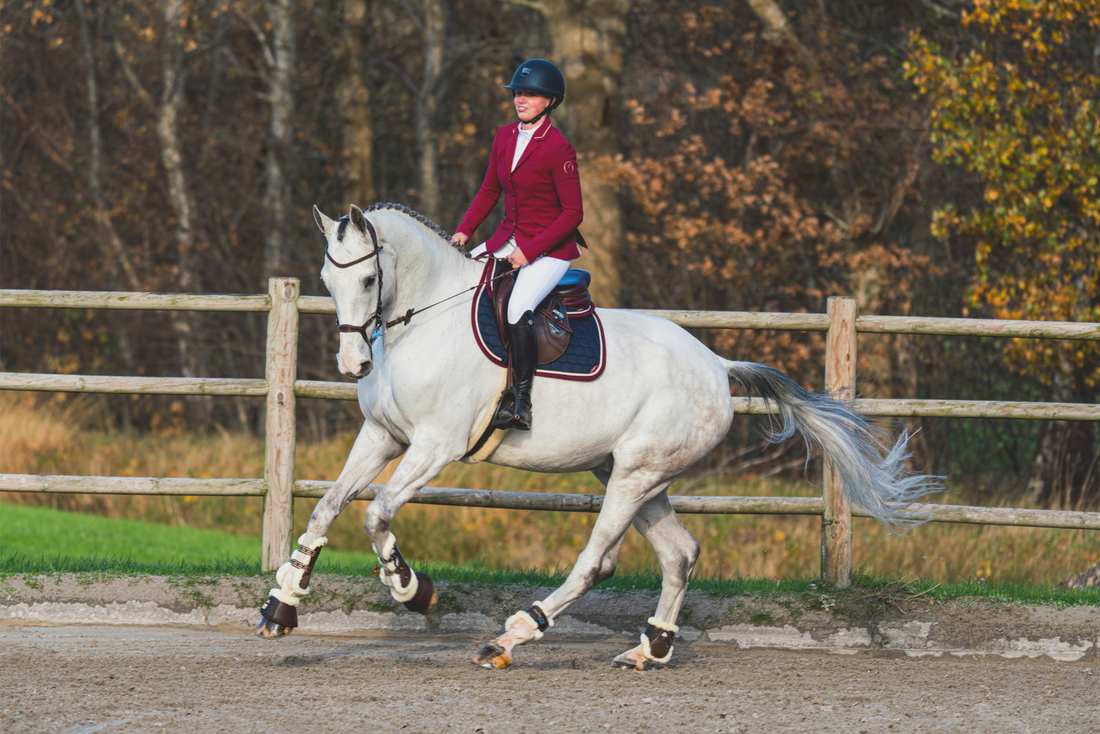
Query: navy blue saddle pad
[[583, 360]]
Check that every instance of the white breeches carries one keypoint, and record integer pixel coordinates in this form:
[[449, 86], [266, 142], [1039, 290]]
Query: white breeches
[[534, 282]]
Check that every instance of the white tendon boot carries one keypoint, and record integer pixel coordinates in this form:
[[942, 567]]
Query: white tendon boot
[[279, 614], [389, 558], [293, 576]]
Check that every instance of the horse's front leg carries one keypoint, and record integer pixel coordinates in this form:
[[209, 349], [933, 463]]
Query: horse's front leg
[[373, 449], [424, 459]]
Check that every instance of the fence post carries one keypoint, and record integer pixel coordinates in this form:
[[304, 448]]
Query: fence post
[[840, 378], [282, 371]]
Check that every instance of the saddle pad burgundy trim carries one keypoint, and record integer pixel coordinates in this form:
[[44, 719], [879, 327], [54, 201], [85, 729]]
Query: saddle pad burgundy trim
[[584, 360]]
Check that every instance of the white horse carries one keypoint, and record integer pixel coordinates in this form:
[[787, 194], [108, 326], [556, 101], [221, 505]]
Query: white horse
[[662, 404]]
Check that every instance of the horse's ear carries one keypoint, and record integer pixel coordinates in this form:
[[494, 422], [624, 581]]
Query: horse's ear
[[326, 225], [358, 220]]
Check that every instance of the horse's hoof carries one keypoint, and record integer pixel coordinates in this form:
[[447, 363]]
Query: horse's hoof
[[425, 596], [269, 630], [492, 656], [626, 662], [279, 613]]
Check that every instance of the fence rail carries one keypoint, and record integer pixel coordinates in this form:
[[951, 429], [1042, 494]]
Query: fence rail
[[928, 326], [900, 408], [283, 303], [556, 502]]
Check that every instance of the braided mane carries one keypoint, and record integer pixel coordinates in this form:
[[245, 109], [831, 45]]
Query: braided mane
[[411, 213]]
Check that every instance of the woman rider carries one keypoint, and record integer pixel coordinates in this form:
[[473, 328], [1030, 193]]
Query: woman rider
[[536, 168]]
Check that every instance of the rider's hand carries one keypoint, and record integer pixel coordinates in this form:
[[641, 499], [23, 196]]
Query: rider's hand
[[517, 258], [460, 239]]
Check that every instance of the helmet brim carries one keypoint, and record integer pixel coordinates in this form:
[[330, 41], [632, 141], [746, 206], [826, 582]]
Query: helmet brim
[[532, 88]]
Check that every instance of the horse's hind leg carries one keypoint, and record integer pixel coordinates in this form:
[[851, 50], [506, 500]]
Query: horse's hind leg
[[677, 551], [373, 449], [595, 564]]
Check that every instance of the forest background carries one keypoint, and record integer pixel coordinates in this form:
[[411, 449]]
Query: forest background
[[928, 158]]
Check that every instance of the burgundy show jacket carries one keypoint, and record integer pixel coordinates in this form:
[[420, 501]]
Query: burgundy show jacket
[[542, 197]]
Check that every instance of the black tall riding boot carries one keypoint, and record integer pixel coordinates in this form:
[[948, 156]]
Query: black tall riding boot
[[525, 356]]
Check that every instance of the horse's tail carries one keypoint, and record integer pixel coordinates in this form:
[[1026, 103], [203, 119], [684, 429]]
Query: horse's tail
[[879, 485]]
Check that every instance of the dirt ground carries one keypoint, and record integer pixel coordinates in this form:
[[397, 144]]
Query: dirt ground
[[81, 680]]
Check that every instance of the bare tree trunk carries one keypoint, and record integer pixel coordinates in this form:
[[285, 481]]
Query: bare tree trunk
[[1061, 468], [353, 102], [589, 45], [426, 103], [115, 249], [778, 32], [168, 124], [868, 291], [277, 194], [184, 324]]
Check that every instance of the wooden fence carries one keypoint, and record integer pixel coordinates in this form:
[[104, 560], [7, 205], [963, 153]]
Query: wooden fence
[[278, 487]]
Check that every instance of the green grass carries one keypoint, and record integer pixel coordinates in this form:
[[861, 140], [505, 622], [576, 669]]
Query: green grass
[[36, 540], [40, 532]]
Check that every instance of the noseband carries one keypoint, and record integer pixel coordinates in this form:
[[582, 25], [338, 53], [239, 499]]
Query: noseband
[[376, 317]]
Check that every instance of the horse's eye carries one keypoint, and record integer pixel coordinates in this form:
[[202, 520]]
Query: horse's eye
[[368, 282]]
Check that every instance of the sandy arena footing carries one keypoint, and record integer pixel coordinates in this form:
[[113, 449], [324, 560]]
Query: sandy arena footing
[[108, 679], [849, 621]]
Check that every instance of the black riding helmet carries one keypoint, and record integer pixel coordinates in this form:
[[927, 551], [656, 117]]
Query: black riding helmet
[[542, 76]]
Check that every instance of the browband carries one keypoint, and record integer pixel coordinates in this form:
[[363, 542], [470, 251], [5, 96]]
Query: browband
[[368, 256]]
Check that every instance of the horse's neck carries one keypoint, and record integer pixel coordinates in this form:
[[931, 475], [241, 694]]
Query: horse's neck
[[431, 273]]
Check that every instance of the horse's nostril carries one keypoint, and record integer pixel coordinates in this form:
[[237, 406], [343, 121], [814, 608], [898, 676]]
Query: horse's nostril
[[364, 368]]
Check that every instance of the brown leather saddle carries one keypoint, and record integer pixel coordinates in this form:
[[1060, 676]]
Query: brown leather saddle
[[552, 330]]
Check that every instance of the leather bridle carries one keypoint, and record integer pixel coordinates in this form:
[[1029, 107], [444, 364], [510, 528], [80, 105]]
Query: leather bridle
[[376, 317]]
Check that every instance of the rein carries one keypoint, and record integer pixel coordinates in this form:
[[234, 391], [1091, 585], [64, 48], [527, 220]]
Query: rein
[[376, 317]]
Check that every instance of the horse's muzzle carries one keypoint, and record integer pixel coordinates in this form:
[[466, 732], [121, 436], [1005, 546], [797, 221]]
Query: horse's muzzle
[[358, 373]]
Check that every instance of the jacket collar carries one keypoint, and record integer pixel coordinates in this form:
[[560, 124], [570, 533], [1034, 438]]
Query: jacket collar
[[540, 133]]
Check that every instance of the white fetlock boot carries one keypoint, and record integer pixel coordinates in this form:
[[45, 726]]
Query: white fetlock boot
[[279, 614], [498, 654], [415, 590]]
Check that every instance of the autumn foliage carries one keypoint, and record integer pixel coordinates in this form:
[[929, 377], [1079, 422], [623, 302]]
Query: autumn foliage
[[1019, 111], [764, 184]]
